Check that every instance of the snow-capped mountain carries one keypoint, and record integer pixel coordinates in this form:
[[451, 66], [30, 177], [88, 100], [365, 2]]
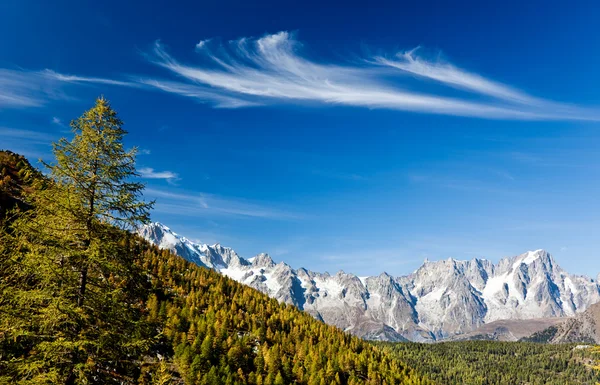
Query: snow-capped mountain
[[439, 300]]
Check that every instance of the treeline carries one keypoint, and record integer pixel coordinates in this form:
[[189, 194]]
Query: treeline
[[500, 363], [84, 301]]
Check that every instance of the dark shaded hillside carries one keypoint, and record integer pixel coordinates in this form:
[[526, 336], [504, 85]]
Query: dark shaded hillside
[[16, 177], [206, 328], [583, 328]]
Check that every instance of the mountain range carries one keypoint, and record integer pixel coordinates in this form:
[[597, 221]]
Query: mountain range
[[440, 300]]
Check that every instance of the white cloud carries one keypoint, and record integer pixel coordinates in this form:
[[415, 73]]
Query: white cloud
[[196, 204], [200, 94], [270, 70], [450, 75], [455, 77], [49, 74], [20, 89], [150, 173], [202, 43]]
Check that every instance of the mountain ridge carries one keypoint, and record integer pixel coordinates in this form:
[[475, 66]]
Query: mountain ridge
[[583, 328], [439, 300]]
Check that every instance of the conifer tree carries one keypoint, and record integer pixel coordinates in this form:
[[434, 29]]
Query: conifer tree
[[79, 290]]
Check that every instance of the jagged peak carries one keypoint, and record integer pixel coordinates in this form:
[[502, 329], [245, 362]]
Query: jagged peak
[[385, 277], [157, 224], [531, 257], [263, 260]]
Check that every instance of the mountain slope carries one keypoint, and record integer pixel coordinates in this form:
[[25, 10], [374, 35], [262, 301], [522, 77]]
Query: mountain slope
[[583, 328], [16, 178], [439, 300], [508, 330]]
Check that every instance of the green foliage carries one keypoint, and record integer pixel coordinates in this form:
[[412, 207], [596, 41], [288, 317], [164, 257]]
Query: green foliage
[[498, 363], [17, 177]]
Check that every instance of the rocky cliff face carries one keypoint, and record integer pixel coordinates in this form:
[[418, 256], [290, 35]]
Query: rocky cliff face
[[439, 300]]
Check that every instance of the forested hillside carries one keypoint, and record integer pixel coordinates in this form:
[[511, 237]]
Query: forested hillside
[[16, 178], [84, 301], [223, 332]]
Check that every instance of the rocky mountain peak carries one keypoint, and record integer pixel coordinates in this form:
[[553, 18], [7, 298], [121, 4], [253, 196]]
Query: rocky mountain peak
[[262, 260]]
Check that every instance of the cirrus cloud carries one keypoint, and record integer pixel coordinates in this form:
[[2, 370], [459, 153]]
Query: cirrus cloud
[[150, 173], [272, 69]]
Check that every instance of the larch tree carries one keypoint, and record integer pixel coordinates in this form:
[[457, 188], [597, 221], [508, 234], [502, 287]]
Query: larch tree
[[81, 292]]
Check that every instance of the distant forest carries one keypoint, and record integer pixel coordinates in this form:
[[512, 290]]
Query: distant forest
[[500, 363]]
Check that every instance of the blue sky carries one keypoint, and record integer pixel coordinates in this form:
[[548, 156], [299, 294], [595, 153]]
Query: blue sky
[[332, 136]]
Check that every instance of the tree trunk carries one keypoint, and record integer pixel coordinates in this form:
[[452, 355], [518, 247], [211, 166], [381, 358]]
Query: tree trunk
[[84, 271], [82, 285]]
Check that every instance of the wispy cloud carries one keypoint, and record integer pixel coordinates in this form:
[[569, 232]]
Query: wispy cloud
[[448, 74], [272, 70], [202, 43], [32, 144], [150, 173], [198, 93], [50, 74], [20, 88], [203, 204]]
